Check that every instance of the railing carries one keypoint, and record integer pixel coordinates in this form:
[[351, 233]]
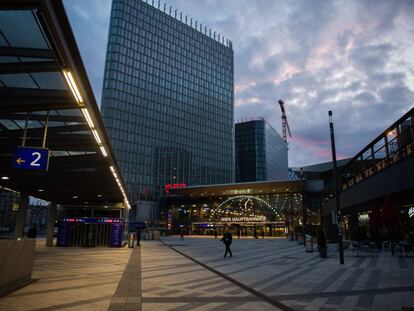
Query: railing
[[393, 145]]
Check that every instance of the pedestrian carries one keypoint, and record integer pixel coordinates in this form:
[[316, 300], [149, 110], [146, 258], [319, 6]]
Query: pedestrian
[[182, 235], [138, 237], [263, 234], [227, 239], [32, 233], [238, 234], [255, 236], [215, 234], [242, 233]]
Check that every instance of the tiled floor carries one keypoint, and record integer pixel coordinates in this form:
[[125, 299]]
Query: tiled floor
[[269, 274], [70, 279]]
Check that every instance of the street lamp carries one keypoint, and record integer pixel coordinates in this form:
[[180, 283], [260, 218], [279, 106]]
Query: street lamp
[[337, 202]]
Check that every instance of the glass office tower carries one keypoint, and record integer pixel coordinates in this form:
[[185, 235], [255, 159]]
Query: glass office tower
[[167, 99], [261, 154]]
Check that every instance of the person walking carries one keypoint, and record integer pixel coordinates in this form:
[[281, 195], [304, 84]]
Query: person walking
[[263, 234], [215, 234], [227, 239], [138, 237], [32, 233]]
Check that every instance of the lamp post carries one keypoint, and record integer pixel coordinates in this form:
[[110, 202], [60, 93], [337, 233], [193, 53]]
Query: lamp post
[[304, 211], [336, 188]]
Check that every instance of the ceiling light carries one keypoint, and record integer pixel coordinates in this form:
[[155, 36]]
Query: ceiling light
[[87, 117], [5, 177], [72, 85], [75, 197], [99, 195], [103, 151], [97, 138], [40, 190]]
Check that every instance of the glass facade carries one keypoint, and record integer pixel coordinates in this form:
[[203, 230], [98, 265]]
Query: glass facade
[[167, 100], [261, 154]]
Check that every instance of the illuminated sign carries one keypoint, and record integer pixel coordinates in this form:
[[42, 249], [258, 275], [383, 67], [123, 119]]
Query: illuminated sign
[[253, 218], [31, 158], [363, 218], [411, 211], [173, 186]]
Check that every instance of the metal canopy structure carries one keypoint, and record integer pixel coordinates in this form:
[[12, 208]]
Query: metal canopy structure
[[250, 188], [43, 84]]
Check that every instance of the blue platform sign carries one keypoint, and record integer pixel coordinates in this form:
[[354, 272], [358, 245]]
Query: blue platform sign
[[31, 158]]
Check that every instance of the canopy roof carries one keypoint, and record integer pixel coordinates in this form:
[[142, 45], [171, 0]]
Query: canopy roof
[[248, 188], [43, 81]]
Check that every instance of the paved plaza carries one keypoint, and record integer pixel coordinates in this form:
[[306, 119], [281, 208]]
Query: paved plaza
[[191, 274]]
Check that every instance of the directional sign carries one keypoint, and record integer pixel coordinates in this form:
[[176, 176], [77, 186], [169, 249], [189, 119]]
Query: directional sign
[[31, 158]]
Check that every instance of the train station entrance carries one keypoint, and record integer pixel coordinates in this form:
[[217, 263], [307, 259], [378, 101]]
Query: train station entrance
[[245, 209]]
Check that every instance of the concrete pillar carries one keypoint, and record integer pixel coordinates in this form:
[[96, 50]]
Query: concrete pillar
[[21, 215], [51, 224]]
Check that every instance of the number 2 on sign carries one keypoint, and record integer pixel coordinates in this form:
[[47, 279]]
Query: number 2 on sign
[[38, 156]]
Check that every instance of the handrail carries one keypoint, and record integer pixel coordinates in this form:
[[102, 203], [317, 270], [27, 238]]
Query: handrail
[[391, 146]]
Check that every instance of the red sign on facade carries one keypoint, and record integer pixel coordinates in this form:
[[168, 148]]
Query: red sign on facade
[[173, 186]]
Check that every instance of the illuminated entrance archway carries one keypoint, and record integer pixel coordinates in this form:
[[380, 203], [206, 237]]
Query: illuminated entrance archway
[[219, 210]]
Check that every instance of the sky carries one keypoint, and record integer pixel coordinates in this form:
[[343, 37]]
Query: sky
[[355, 58]]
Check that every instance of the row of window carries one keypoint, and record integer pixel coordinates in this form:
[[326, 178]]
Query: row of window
[[138, 10]]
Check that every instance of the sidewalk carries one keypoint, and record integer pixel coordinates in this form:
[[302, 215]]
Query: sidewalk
[[70, 279], [283, 271], [176, 275]]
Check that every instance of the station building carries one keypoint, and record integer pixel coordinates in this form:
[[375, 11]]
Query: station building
[[242, 208]]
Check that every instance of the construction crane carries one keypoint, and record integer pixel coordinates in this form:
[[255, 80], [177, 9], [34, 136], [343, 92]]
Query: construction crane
[[285, 124]]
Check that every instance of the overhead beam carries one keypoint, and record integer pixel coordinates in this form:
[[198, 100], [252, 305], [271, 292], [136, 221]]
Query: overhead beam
[[24, 67], [19, 4], [42, 117], [26, 52], [25, 100], [38, 106], [17, 92], [51, 130]]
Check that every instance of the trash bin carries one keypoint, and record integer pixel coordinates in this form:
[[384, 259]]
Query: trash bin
[[309, 243], [131, 240]]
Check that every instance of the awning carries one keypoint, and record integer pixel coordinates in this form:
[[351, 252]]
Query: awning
[[43, 81]]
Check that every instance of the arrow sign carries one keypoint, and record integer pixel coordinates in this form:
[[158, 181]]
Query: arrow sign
[[31, 158]]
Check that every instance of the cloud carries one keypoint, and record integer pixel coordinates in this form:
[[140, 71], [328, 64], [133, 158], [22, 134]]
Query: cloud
[[352, 57]]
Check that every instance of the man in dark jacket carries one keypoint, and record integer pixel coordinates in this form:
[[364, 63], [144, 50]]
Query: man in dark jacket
[[32, 233], [227, 239]]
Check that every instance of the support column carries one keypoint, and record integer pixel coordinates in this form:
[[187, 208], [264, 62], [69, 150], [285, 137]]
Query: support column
[[51, 216], [21, 215]]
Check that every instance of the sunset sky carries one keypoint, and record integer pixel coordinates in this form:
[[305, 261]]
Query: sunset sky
[[353, 57]]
